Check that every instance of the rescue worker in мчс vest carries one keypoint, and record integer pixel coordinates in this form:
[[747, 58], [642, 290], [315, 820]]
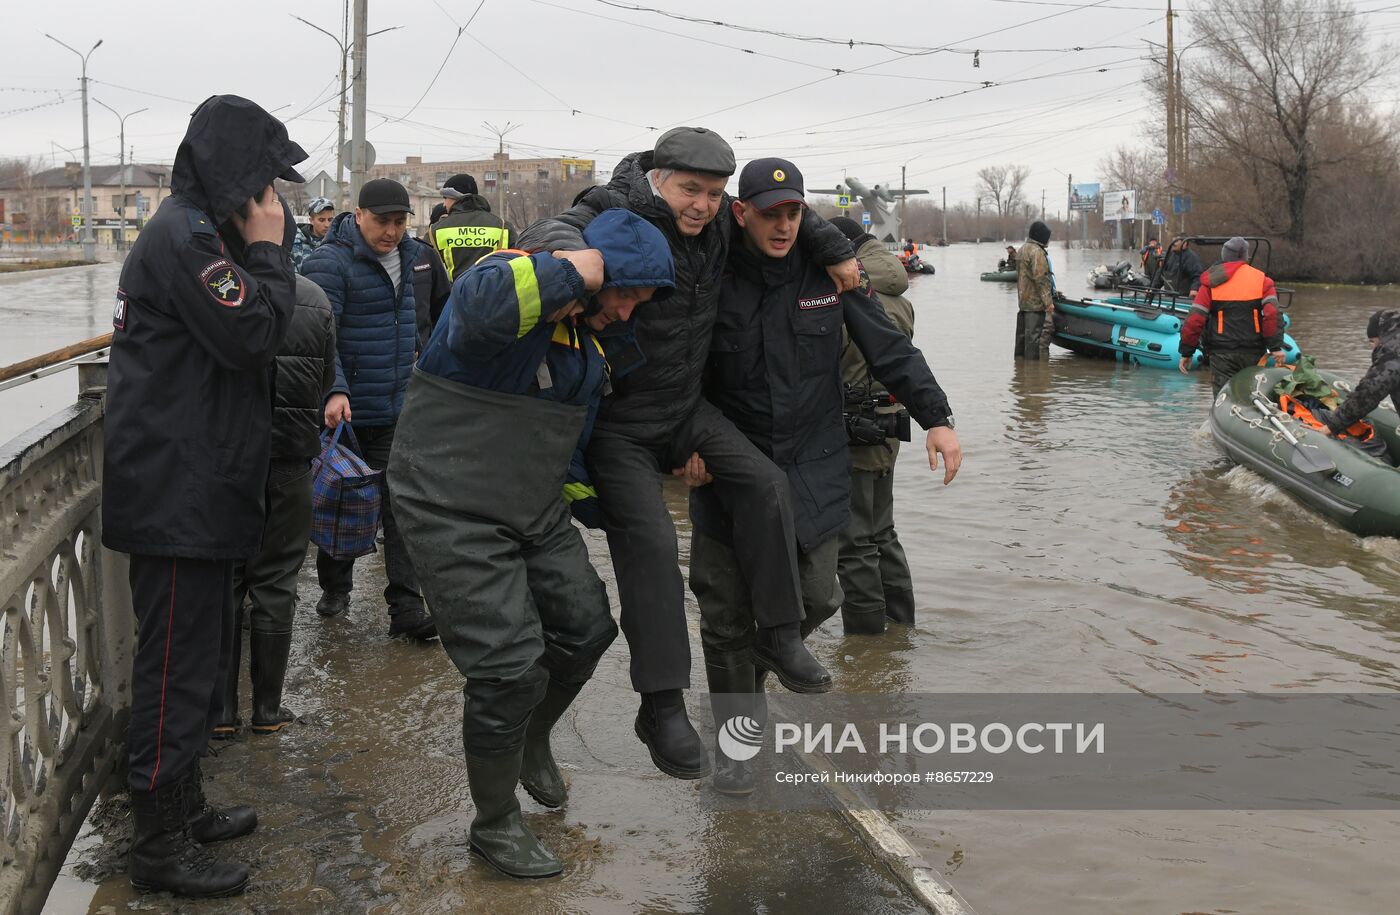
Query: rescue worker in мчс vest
[[656, 421], [775, 370], [1234, 319], [501, 401], [468, 231], [204, 301]]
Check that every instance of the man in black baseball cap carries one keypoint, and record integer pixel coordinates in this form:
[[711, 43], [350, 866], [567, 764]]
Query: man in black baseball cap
[[779, 382], [366, 270], [468, 231], [656, 422]]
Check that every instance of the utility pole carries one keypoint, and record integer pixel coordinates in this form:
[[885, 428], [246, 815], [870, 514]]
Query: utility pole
[[501, 168], [357, 114], [121, 175], [979, 218], [945, 214], [1042, 204], [89, 240], [902, 188], [1171, 112], [1069, 205]]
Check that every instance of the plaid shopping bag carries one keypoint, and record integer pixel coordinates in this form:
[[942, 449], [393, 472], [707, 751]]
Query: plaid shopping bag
[[345, 497]]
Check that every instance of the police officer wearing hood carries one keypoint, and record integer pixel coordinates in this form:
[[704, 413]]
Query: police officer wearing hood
[[203, 303], [501, 402]]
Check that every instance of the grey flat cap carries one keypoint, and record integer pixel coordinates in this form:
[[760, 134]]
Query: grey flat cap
[[693, 149], [1236, 249]]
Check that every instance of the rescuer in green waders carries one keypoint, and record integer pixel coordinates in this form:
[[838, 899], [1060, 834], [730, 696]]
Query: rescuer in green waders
[[485, 469]]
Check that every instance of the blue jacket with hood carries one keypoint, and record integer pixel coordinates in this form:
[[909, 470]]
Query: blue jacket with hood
[[493, 333], [375, 326]]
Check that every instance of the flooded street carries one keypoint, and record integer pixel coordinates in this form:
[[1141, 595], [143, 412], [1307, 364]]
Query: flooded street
[[1095, 540]]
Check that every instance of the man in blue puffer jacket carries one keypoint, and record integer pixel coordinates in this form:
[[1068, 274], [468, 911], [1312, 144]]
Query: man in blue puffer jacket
[[366, 269], [504, 394]]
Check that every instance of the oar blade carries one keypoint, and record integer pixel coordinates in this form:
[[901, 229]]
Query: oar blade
[[1310, 460]]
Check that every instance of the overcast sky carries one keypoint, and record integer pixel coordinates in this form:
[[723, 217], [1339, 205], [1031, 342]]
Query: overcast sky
[[596, 78]]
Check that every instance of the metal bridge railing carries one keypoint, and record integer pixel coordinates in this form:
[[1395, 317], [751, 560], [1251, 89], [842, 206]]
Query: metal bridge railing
[[65, 646]]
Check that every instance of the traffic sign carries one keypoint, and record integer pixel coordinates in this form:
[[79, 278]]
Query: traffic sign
[[843, 201], [1158, 217], [1181, 203], [77, 221], [865, 219]]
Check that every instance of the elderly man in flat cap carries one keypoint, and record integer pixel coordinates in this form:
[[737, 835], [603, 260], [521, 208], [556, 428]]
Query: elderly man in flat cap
[[656, 422]]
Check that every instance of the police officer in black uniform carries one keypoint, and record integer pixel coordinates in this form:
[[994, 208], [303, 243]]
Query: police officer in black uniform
[[775, 371], [203, 303]]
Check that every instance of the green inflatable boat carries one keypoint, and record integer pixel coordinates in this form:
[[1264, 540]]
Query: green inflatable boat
[[1354, 489], [999, 276]]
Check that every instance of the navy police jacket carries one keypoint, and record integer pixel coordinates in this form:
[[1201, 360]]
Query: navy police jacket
[[775, 370]]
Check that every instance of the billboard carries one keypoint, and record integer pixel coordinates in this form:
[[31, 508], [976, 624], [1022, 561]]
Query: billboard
[[1084, 197], [1120, 206]]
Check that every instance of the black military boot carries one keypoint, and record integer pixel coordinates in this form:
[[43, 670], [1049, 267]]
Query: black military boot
[[663, 726], [539, 773], [332, 603], [498, 833], [732, 696], [267, 662], [229, 724], [862, 622], [211, 824], [164, 855], [899, 607], [779, 649]]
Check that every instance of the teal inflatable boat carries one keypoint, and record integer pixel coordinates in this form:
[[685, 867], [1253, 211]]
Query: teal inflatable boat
[[1138, 330]]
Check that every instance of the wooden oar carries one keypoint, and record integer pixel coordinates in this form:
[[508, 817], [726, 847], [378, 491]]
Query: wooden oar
[[1306, 461]]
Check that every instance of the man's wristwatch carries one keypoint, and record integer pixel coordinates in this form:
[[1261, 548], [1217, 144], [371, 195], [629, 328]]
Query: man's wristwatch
[[945, 421]]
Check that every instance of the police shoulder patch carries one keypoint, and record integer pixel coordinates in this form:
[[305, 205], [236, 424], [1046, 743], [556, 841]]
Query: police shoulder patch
[[223, 282]]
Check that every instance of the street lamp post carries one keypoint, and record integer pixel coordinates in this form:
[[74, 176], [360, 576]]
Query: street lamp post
[[340, 118], [89, 242], [121, 175]]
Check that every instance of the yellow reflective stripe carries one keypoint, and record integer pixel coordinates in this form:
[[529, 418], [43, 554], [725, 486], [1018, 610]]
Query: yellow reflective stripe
[[527, 293], [576, 491], [563, 335]]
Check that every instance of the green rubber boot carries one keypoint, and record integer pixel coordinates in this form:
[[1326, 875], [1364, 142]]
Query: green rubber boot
[[498, 833], [539, 773]]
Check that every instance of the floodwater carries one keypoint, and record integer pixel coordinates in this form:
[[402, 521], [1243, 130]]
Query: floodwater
[[1095, 540]]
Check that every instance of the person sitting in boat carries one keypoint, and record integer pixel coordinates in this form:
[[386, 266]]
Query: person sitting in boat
[[1009, 262], [1234, 319], [1382, 378], [1181, 272]]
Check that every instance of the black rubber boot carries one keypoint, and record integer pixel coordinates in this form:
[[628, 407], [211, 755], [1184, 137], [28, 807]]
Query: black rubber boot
[[675, 747], [164, 855], [863, 622], [210, 824], [498, 833], [732, 682], [267, 662], [230, 725], [779, 649], [899, 607], [415, 623], [332, 603], [539, 773]]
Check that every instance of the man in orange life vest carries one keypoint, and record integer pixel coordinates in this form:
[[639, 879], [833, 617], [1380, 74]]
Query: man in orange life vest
[[1234, 319]]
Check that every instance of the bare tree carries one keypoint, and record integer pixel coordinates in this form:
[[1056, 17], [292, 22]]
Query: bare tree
[[1265, 84], [1004, 186]]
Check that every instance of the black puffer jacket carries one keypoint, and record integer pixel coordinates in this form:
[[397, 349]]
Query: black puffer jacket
[[305, 373], [673, 335]]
